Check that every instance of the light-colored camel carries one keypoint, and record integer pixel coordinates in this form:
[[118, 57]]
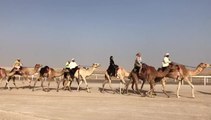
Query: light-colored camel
[[121, 74], [25, 72], [184, 75], [4, 74], [49, 74], [83, 73]]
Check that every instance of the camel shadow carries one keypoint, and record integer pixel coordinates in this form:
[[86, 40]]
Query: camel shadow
[[206, 93], [5, 88], [25, 87], [106, 90]]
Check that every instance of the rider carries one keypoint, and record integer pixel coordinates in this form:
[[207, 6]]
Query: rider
[[112, 69], [138, 63], [17, 65], [67, 65], [166, 61], [72, 66]]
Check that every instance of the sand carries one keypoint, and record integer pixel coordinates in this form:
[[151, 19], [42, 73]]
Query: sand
[[23, 104]]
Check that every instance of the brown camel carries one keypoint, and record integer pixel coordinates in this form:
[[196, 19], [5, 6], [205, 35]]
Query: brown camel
[[25, 72], [49, 74], [149, 74], [3, 74], [184, 74], [121, 74]]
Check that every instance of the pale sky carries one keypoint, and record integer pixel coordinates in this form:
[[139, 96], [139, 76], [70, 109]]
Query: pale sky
[[51, 32]]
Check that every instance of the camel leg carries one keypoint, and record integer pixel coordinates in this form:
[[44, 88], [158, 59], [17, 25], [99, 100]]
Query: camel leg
[[42, 81], [126, 86], [135, 79], [87, 87], [163, 82], [7, 83], [79, 85], [77, 80], [150, 92], [70, 83], [35, 83], [103, 85], [120, 87], [109, 83], [142, 85], [29, 80], [2, 79], [58, 83], [107, 80], [14, 83], [132, 86], [192, 87], [178, 88], [104, 82], [122, 81], [49, 82]]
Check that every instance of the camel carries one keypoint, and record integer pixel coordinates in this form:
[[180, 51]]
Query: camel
[[121, 74], [68, 78], [149, 74], [49, 74], [83, 73], [25, 72], [184, 74], [4, 74]]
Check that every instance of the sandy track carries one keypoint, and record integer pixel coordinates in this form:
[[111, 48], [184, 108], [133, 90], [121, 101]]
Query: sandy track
[[23, 104]]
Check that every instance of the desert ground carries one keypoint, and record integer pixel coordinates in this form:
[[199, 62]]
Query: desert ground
[[23, 104]]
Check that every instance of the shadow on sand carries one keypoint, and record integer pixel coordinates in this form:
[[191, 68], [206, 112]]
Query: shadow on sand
[[206, 93]]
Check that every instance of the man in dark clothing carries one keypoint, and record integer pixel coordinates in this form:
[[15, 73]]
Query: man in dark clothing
[[112, 69]]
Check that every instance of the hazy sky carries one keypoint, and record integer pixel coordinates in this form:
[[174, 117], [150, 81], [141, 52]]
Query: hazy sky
[[51, 32]]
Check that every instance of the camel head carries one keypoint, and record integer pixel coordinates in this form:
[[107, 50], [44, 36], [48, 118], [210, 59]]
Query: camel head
[[38, 66], [203, 65], [95, 65]]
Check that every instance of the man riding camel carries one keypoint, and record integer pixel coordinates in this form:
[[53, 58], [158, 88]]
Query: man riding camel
[[71, 66], [166, 61], [138, 63], [17, 66], [112, 69]]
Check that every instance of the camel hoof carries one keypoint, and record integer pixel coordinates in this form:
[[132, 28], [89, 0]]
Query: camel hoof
[[88, 91], [178, 96], [102, 91]]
